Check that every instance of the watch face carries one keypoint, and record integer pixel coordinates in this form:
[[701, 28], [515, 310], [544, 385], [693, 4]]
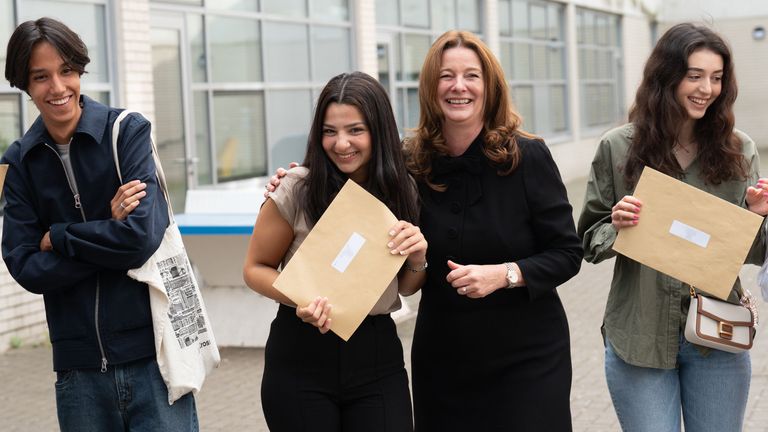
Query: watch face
[[511, 275]]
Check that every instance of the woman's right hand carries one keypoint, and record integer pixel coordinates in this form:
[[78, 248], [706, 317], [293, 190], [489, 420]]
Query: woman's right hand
[[626, 213], [127, 198], [274, 181], [316, 313]]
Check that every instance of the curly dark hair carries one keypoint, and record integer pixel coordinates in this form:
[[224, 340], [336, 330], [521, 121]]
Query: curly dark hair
[[656, 115], [388, 180]]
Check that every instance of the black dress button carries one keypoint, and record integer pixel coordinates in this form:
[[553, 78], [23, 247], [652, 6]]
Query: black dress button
[[453, 233], [455, 207]]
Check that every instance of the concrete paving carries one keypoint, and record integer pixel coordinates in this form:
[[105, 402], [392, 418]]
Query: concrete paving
[[230, 400]]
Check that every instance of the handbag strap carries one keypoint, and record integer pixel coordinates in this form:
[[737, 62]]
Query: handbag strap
[[159, 173], [746, 299]]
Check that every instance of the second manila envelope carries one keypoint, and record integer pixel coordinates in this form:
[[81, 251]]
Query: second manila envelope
[[689, 234], [345, 258]]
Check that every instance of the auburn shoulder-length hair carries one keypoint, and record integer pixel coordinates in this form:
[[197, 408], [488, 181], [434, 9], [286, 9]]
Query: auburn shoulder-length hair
[[388, 179], [501, 124], [656, 114]]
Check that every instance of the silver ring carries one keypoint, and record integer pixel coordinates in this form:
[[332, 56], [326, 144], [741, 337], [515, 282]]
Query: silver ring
[[122, 205]]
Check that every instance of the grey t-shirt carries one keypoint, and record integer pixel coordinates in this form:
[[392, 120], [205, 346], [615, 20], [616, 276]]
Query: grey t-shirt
[[64, 153]]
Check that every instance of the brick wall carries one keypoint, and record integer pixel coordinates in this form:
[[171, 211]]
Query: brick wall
[[364, 22], [134, 57], [636, 40], [22, 314]]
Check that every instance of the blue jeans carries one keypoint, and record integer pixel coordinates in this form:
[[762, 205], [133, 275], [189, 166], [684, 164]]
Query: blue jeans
[[128, 397], [710, 390]]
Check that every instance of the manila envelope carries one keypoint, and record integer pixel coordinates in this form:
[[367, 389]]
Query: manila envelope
[[3, 172], [345, 258], [689, 234]]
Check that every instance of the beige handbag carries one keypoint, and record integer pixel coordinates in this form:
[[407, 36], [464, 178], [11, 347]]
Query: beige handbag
[[721, 325]]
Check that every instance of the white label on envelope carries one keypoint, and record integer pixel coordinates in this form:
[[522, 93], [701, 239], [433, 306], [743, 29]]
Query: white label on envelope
[[687, 232], [348, 252]]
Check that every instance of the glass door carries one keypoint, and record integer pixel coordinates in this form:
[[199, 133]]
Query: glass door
[[385, 61], [171, 126]]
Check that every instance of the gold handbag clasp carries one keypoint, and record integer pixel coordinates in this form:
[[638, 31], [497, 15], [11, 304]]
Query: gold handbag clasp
[[725, 330]]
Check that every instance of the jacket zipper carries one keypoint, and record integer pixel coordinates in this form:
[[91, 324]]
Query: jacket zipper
[[79, 206]]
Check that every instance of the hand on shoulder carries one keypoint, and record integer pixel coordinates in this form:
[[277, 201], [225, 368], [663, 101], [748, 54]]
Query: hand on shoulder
[[274, 181]]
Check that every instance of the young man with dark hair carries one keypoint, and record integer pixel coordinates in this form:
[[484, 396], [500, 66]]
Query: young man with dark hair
[[67, 237]]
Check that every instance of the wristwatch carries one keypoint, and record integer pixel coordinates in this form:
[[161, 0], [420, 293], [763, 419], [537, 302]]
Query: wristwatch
[[512, 277]]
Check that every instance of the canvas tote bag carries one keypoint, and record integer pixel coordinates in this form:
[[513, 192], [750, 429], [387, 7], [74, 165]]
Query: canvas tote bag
[[186, 349]]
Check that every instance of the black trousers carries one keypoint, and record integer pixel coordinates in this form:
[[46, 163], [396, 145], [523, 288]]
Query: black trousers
[[315, 382]]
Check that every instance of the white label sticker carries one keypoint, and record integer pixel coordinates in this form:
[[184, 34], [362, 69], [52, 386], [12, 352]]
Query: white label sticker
[[348, 252], [687, 232]]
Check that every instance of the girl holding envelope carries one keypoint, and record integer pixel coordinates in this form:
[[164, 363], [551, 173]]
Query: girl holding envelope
[[312, 378], [681, 124]]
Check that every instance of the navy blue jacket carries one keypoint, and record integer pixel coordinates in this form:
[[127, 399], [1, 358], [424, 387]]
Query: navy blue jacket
[[95, 313]]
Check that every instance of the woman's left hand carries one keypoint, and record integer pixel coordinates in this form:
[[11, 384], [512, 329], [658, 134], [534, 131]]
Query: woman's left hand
[[407, 239], [757, 197], [476, 281]]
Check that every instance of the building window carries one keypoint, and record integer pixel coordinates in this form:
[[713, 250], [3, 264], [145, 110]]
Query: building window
[[456, 14], [235, 54], [532, 53], [599, 68], [255, 68], [239, 123]]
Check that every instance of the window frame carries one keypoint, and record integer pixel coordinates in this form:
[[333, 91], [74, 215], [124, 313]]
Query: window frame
[[264, 87], [609, 48], [541, 88]]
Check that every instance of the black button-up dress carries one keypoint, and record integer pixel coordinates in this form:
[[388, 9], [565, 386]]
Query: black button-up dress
[[501, 362]]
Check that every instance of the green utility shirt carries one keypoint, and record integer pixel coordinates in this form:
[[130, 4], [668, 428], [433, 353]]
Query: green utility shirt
[[646, 309]]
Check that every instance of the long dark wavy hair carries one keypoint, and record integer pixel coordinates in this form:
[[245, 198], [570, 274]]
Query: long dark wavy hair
[[501, 123], [388, 180], [657, 116]]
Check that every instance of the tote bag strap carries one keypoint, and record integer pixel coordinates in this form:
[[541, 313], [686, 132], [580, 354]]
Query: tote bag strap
[[158, 167]]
